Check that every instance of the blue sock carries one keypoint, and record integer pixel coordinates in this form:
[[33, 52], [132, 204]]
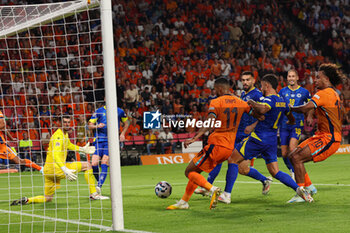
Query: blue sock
[[255, 174], [288, 163], [214, 173], [286, 179], [103, 176], [231, 176], [96, 172]]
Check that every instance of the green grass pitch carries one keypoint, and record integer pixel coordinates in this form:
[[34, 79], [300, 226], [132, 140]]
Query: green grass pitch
[[249, 211]]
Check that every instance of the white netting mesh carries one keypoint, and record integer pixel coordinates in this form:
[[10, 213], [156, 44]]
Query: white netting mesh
[[51, 64]]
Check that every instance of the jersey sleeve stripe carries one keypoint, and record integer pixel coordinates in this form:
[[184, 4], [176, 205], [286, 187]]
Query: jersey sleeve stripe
[[212, 113], [267, 105], [313, 101]]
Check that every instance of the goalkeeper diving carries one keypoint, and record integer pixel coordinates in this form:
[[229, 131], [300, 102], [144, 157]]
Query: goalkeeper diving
[[56, 168]]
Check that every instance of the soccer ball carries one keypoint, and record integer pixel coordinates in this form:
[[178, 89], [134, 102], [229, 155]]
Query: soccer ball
[[163, 189]]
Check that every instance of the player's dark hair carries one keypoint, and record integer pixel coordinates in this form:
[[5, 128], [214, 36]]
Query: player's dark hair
[[222, 81], [272, 79], [333, 73], [247, 73], [66, 117]]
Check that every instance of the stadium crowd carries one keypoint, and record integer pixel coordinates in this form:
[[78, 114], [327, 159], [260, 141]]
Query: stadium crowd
[[167, 55]]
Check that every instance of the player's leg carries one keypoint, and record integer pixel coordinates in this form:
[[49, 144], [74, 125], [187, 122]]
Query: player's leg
[[104, 170], [299, 157], [12, 155], [190, 187], [281, 176], [293, 144], [95, 160], [89, 178], [211, 178], [285, 149], [52, 182], [202, 162], [246, 170]]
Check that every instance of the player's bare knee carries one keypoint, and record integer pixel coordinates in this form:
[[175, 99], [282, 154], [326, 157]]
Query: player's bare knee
[[243, 169], [295, 158]]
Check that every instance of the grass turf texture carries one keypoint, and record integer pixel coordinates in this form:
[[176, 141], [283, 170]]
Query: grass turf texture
[[249, 211]]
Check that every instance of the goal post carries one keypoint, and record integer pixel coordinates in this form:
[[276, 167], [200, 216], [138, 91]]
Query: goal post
[[66, 46], [112, 120]]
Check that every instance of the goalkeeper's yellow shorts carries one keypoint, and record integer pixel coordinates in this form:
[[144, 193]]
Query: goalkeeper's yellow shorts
[[53, 181]]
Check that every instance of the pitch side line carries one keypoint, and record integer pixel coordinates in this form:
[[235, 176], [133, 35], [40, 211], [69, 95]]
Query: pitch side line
[[68, 221], [239, 182]]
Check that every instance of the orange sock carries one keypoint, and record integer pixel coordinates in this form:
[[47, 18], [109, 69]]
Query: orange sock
[[189, 190], [252, 162], [31, 164], [307, 180], [301, 184], [199, 180]]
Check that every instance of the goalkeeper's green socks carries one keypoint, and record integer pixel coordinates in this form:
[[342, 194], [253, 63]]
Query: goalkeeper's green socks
[[90, 179], [37, 199]]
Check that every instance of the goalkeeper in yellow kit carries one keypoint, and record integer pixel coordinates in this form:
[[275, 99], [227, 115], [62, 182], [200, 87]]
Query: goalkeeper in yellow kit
[[56, 168]]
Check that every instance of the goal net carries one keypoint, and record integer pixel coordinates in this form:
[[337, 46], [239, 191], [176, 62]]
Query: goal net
[[51, 64]]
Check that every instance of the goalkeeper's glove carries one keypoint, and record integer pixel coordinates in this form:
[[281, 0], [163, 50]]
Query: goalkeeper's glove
[[69, 173], [87, 149]]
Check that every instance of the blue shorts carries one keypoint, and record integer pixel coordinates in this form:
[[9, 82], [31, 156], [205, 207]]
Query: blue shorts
[[101, 148], [240, 137], [250, 148], [291, 132]]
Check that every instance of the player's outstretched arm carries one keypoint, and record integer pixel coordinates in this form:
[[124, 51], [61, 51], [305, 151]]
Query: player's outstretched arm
[[199, 133], [303, 108], [258, 108]]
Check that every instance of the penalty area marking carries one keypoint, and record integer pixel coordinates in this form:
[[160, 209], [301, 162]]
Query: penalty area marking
[[69, 221]]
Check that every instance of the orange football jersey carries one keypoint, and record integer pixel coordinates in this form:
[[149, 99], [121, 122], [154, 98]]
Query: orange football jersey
[[328, 112], [228, 109]]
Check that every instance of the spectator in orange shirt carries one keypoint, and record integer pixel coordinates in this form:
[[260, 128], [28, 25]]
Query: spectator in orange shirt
[[195, 91], [216, 68], [177, 106], [189, 76], [134, 129]]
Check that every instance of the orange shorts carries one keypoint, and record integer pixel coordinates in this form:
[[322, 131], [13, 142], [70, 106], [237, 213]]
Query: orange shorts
[[210, 156], [6, 152], [321, 146]]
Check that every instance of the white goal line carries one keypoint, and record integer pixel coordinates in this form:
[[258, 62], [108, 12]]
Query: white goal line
[[68, 221]]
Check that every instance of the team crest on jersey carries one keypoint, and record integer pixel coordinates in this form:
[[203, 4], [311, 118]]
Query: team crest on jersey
[[299, 95], [58, 144]]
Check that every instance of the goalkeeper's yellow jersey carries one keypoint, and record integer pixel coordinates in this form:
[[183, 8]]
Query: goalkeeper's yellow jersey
[[57, 152]]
